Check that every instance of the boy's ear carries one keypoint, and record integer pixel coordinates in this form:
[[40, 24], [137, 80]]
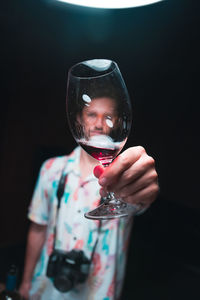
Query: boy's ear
[[78, 117]]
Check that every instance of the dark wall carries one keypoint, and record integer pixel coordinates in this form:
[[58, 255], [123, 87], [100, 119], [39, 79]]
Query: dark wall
[[156, 48]]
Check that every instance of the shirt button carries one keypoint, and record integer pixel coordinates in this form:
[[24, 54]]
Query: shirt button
[[79, 211]]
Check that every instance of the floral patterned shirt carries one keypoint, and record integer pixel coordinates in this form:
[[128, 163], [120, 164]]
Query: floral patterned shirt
[[74, 231]]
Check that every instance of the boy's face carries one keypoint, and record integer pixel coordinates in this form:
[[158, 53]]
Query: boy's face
[[99, 116]]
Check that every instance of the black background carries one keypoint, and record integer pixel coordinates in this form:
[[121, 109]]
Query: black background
[[157, 50]]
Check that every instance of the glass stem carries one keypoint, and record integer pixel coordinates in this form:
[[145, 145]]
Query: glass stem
[[110, 198]]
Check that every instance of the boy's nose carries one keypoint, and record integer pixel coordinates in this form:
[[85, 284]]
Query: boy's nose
[[99, 122]]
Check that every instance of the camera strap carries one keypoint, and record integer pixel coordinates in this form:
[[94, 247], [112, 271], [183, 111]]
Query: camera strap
[[59, 194]]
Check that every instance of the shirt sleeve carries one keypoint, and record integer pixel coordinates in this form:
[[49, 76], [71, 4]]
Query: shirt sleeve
[[38, 208]]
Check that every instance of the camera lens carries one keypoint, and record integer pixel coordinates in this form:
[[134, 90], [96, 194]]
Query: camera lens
[[63, 284]]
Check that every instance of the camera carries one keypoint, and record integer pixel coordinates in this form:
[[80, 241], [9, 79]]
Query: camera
[[67, 269]]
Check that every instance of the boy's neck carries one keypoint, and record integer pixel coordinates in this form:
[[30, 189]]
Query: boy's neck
[[87, 164]]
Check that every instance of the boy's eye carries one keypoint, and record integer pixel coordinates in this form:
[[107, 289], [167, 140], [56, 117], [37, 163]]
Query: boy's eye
[[91, 114]]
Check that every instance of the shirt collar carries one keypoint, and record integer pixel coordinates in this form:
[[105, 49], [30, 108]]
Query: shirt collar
[[73, 165]]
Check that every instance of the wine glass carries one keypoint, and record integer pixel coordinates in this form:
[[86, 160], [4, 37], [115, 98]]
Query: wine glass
[[99, 114]]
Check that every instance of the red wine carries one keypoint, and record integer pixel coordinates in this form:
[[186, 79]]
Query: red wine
[[104, 155]]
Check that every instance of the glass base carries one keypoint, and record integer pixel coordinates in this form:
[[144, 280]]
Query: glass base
[[112, 210]]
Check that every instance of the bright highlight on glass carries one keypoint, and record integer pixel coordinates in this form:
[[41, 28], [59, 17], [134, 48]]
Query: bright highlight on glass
[[111, 3]]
